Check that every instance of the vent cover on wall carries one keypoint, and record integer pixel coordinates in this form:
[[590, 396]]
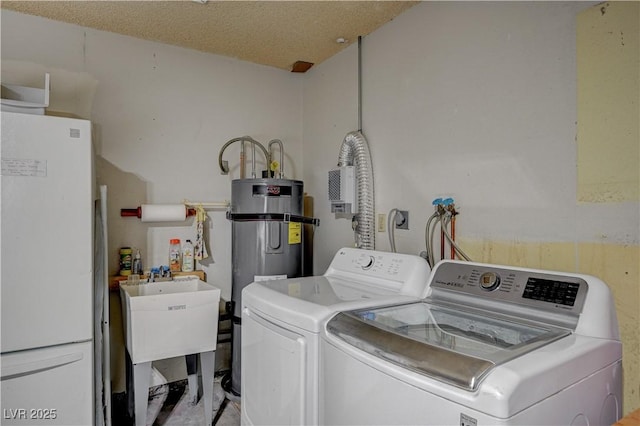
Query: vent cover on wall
[[342, 190]]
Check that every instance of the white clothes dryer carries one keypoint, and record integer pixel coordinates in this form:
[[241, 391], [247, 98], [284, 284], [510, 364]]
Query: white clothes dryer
[[282, 321], [490, 345]]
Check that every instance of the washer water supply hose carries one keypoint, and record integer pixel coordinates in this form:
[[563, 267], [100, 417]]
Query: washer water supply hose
[[444, 215], [355, 152]]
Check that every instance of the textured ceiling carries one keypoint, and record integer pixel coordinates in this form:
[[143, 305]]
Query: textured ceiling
[[273, 33]]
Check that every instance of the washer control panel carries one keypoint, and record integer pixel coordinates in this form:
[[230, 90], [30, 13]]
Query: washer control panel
[[538, 289], [489, 281]]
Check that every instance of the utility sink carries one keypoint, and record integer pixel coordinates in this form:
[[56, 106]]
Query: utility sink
[[169, 318]]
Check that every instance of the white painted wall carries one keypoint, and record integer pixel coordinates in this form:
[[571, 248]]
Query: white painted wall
[[330, 112], [473, 100], [161, 115]]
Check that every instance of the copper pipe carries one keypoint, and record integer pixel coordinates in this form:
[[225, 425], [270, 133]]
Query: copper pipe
[[453, 236], [441, 241]]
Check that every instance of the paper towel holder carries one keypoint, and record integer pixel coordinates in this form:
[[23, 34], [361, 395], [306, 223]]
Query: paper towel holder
[[190, 208], [137, 212]]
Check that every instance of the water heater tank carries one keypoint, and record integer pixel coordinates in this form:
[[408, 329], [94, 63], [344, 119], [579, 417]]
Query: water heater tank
[[267, 242]]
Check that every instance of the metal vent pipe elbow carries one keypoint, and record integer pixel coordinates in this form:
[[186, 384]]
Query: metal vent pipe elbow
[[354, 151]]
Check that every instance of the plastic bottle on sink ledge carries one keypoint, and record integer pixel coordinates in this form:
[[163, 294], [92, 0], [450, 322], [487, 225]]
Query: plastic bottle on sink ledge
[[187, 257], [175, 255], [137, 264]]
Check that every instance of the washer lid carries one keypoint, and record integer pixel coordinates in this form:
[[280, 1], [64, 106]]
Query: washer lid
[[459, 347]]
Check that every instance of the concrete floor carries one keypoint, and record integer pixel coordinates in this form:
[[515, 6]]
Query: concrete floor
[[171, 405], [164, 410]]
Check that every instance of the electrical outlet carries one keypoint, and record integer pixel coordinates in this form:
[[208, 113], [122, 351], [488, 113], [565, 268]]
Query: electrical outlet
[[382, 222]]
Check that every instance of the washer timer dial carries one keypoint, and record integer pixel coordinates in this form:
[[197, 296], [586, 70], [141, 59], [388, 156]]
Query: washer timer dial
[[489, 281]]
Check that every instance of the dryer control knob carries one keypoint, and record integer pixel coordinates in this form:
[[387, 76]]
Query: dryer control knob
[[489, 281], [366, 262]]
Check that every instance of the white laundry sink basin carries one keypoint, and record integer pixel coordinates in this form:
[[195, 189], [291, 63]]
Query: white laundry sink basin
[[169, 318]]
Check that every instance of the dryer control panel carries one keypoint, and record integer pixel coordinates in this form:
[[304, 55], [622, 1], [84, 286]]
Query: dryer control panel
[[402, 273], [541, 290]]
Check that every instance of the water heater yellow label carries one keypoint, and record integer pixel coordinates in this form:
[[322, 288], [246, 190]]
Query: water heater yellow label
[[295, 233]]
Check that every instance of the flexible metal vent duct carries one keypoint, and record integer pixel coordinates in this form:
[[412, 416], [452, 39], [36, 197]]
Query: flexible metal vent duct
[[354, 151]]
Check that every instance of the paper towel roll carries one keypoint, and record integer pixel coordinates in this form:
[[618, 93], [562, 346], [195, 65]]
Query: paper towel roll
[[163, 212]]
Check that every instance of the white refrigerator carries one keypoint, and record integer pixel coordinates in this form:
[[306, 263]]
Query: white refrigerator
[[46, 289]]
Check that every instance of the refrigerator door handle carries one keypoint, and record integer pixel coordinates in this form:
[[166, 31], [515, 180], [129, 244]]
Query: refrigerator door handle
[[33, 367]]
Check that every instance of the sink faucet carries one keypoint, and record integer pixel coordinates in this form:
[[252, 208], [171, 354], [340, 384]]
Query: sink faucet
[[153, 274]]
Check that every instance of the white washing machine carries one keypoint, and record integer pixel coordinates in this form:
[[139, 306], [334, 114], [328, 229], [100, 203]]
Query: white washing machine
[[490, 345], [282, 321]]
